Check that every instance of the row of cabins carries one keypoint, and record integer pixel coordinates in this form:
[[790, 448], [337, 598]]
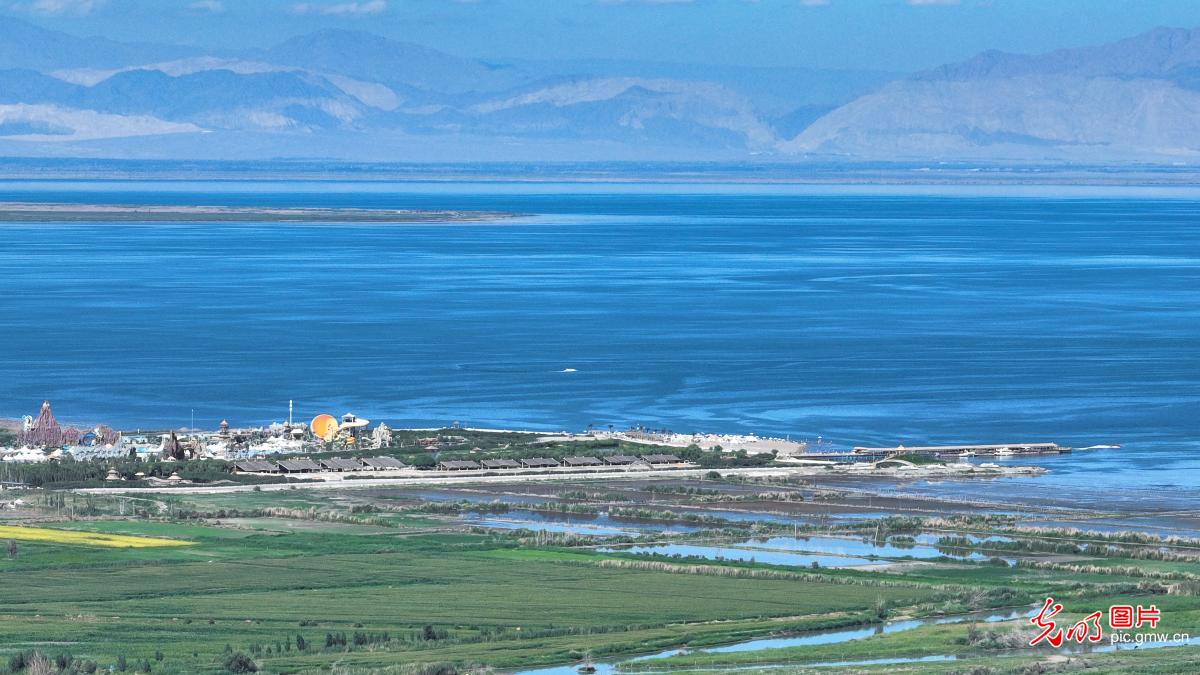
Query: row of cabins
[[548, 463], [305, 465], [341, 464]]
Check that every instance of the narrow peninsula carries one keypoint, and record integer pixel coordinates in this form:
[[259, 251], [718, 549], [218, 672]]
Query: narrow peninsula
[[31, 212]]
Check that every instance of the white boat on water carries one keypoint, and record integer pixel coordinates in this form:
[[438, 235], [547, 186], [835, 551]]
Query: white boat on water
[[968, 453], [1005, 451]]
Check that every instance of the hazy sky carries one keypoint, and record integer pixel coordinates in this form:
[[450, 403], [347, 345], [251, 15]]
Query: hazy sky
[[900, 35]]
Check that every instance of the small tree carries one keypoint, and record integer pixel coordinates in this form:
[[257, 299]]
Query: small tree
[[12, 549], [122, 664], [240, 663], [301, 643]]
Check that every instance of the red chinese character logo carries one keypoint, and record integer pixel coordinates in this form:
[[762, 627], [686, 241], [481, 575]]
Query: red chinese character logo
[[1120, 616], [1088, 629], [1147, 615], [1050, 631]]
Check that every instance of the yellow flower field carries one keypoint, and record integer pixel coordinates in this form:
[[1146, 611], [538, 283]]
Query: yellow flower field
[[83, 538]]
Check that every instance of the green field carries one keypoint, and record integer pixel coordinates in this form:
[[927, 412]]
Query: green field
[[371, 592]]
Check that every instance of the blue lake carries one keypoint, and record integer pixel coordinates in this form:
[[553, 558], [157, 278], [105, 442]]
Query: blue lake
[[867, 320], [596, 525], [827, 551]]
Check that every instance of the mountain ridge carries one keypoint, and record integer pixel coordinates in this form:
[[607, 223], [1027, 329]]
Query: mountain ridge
[[355, 94], [1130, 100], [332, 85]]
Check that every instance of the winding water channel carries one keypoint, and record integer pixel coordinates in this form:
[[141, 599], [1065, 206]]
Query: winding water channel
[[824, 637]]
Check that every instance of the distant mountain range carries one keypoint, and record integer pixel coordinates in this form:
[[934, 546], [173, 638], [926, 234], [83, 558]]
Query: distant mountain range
[[353, 95], [1137, 99]]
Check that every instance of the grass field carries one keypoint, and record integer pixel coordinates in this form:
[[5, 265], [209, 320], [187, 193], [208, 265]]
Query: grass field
[[384, 592], [462, 585]]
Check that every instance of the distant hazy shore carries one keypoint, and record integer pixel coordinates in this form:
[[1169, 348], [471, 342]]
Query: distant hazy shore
[[34, 212], [50, 173]]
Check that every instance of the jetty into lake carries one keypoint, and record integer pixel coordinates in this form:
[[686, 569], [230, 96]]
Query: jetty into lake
[[990, 450]]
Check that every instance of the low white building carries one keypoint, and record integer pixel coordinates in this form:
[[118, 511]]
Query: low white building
[[25, 455]]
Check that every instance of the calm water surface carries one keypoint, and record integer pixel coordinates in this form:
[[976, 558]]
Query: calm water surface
[[872, 320]]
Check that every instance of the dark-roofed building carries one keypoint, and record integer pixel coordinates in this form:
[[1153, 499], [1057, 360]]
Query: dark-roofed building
[[382, 463], [500, 464], [538, 462], [341, 464], [621, 460], [583, 461], [661, 459], [254, 466], [458, 465], [303, 465]]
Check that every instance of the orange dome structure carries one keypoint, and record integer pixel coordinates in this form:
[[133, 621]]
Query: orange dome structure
[[324, 427]]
